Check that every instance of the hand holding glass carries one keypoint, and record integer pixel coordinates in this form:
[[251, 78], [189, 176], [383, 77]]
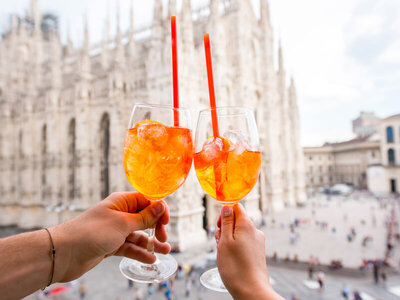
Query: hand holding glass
[[157, 159], [227, 166]]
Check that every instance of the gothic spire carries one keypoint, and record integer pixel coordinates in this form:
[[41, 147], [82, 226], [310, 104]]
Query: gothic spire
[[86, 35], [35, 16], [264, 12], [215, 29], [293, 96], [292, 88], [131, 20], [157, 13], [107, 31], [21, 30], [214, 8], [14, 23], [280, 58], [69, 46], [55, 60], [118, 36], [119, 49], [171, 7], [186, 17], [157, 30], [105, 43], [85, 59], [131, 43]]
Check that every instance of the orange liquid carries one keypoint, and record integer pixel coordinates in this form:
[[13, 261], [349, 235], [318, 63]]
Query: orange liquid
[[227, 172], [157, 158]]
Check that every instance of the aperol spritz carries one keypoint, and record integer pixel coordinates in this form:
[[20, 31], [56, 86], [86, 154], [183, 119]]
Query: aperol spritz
[[227, 171], [227, 166], [157, 158]]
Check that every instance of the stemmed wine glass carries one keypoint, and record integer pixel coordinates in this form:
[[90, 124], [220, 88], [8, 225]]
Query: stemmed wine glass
[[157, 158], [227, 166]]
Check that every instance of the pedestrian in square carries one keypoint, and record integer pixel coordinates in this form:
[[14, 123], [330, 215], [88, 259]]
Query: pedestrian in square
[[376, 268], [320, 279], [357, 295], [139, 294], [311, 263], [188, 286], [383, 277], [82, 290], [150, 289], [130, 284], [345, 292]]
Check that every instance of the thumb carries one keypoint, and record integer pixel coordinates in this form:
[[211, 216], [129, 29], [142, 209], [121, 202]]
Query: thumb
[[147, 217], [227, 223]]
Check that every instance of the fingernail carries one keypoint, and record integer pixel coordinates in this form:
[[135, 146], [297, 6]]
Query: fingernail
[[158, 208], [226, 211]]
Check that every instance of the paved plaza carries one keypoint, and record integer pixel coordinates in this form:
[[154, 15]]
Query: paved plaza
[[106, 283], [360, 211], [338, 215]]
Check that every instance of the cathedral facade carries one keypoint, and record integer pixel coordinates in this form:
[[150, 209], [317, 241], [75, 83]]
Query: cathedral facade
[[64, 111]]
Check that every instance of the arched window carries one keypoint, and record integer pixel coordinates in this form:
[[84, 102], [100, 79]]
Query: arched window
[[71, 159], [44, 154], [389, 134], [391, 157], [20, 144], [104, 158]]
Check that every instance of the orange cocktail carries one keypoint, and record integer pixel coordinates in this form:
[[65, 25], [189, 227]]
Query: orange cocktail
[[157, 158], [227, 171]]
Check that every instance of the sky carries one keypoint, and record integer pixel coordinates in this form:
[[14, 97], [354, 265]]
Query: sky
[[344, 55]]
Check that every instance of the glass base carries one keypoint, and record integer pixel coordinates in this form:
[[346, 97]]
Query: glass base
[[211, 280], [164, 267]]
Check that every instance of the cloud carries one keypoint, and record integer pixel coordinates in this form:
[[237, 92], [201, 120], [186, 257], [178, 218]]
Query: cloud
[[343, 54], [345, 58], [391, 54]]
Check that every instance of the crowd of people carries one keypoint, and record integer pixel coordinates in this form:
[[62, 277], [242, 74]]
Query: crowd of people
[[377, 267], [128, 218]]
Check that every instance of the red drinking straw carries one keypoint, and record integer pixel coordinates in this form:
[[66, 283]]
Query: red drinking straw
[[217, 170], [207, 48], [175, 70]]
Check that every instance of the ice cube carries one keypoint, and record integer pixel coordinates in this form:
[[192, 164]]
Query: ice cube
[[182, 140], [239, 147], [212, 150], [152, 133], [234, 136]]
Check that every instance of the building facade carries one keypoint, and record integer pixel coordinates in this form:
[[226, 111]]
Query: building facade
[[368, 161], [366, 124], [64, 111], [319, 164], [346, 162], [385, 177]]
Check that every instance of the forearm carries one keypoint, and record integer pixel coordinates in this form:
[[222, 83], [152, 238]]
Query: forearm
[[26, 262], [261, 294], [256, 291]]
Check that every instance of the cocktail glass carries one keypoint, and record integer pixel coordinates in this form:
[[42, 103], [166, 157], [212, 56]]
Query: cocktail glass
[[157, 158], [227, 166]]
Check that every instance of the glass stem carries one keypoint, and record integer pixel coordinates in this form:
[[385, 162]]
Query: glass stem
[[150, 242]]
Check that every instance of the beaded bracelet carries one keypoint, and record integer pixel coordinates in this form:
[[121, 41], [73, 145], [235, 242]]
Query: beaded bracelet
[[53, 255]]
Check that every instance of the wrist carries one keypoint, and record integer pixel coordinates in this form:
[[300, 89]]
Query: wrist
[[258, 289], [62, 259]]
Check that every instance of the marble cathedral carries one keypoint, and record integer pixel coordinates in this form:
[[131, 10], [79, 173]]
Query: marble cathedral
[[64, 111]]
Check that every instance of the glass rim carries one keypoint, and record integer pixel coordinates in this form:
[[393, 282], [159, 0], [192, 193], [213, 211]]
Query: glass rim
[[162, 106], [243, 108]]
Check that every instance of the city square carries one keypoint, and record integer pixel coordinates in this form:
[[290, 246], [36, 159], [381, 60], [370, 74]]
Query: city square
[[287, 277], [259, 114]]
